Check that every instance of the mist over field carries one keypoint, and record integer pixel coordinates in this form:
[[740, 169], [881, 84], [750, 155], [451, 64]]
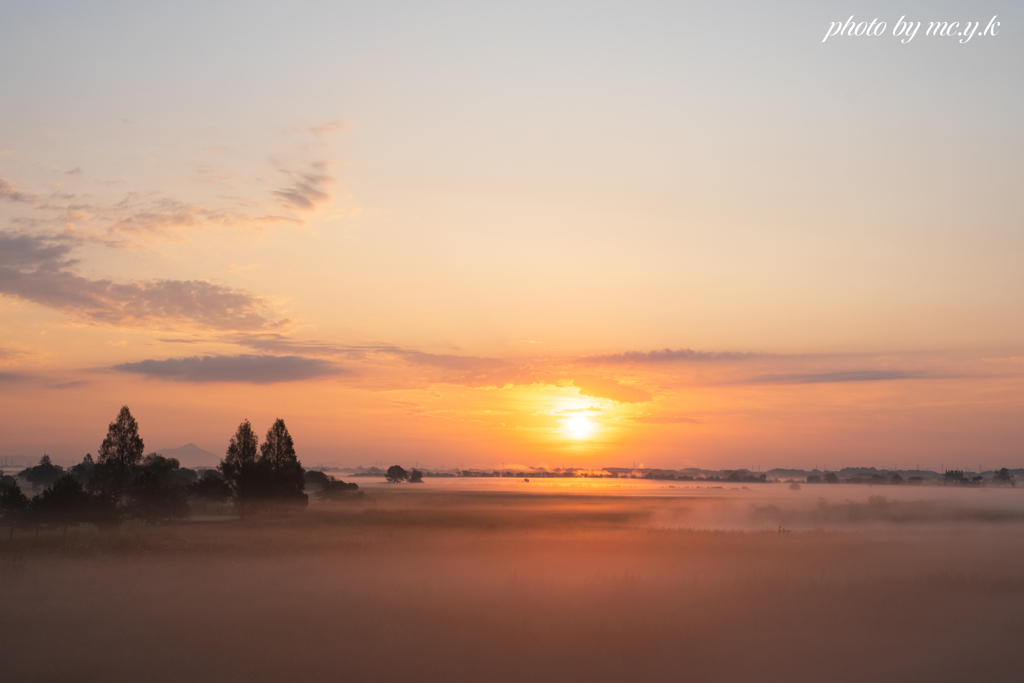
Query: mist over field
[[553, 581]]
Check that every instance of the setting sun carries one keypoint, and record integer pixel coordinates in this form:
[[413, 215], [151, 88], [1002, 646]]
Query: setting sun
[[579, 427]]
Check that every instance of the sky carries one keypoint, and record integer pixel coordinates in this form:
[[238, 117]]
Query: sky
[[492, 234]]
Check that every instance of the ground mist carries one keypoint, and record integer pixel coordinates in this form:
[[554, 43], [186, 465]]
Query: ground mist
[[412, 583]]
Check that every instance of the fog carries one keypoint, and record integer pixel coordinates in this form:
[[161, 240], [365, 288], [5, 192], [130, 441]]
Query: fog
[[551, 580]]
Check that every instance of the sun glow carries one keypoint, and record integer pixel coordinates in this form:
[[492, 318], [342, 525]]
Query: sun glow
[[579, 427]]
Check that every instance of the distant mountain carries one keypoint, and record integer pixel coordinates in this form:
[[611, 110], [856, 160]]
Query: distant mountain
[[191, 455]]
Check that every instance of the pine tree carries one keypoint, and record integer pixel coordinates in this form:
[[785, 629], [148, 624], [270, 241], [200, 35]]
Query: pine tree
[[241, 469], [286, 478], [119, 456]]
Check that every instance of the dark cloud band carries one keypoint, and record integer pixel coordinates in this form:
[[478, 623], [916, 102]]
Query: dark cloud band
[[243, 368]]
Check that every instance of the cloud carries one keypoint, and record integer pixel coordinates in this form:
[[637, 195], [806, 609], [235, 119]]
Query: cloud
[[243, 368], [166, 217], [71, 385], [667, 419], [34, 268], [838, 376], [668, 356], [601, 387], [470, 371], [308, 191], [7, 353], [10, 193], [335, 126], [12, 377], [75, 171], [20, 250]]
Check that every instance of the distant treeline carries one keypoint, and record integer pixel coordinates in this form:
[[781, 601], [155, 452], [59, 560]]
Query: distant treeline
[[1001, 477], [122, 483]]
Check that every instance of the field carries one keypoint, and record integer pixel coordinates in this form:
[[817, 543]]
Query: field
[[550, 581]]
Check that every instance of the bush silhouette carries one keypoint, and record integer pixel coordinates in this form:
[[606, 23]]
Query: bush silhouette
[[336, 489], [14, 505]]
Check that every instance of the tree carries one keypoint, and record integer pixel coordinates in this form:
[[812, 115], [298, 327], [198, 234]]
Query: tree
[[65, 503], [119, 456], [336, 489], [83, 470], [285, 477], [415, 477], [158, 494], [240, 467], [43, 474], [396, 474], [1003, 476], [13, 505], [210, 488], [316, 478]]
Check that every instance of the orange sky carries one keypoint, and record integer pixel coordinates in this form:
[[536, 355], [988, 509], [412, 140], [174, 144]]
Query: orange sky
[[506, 236]]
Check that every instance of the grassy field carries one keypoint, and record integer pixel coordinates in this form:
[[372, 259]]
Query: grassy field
[[406, 584]]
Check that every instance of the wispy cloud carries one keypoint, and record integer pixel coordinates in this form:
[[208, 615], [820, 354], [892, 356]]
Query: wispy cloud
[[839, 376], [71, 385], [170, 218], [668, 420], [308, 190], [12, 194], [34, 268], [668, 356], [335, 126], [249, 369], [603, 387]]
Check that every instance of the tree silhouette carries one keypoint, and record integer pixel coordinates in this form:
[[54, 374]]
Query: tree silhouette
[[240, 467], [14, 505], [396, 474], [1003, 476], [210, 488], [286, 478], [316, 478], [119, 456], [83, 470], [65, 503], [415, 477], [336, 489], [158, 494], [43, 474]]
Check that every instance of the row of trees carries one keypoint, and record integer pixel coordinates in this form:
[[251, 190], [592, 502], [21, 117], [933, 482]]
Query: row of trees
[[122, 483], [397, 474], [260, 474]]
